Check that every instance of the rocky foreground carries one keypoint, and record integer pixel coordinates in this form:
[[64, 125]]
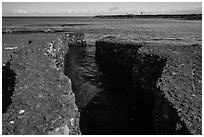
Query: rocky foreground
[[170, 76], [42, 101]]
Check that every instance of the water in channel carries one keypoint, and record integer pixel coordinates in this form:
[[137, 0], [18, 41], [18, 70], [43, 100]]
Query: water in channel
[[108, 105]]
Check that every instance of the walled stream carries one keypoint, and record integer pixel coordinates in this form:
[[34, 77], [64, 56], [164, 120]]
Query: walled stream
[[109, 105]]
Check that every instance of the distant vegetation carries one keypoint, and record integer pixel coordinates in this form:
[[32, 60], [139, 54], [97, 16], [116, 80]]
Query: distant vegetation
[[174, 16]]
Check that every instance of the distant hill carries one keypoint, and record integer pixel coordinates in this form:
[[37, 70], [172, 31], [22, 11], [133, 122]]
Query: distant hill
[[174, 16]]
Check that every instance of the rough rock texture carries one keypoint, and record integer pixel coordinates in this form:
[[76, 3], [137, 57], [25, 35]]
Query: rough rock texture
[[170, 76], [180, 84], [116, 56], [76, 39], [42, 100]]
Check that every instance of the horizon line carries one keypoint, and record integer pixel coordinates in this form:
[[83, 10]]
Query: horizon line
[[95, 15]]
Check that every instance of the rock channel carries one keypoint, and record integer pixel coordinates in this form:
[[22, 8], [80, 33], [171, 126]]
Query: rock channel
[[38, 97]]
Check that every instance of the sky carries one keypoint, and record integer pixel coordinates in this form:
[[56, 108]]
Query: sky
[[97, 8]]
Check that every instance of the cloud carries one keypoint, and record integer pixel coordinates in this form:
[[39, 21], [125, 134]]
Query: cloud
[[20, 11], [191, 11], [39, 12], [181, 11], [113, 8], [69, 11]]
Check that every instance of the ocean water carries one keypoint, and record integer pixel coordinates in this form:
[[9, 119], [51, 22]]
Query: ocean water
[[107, 105]]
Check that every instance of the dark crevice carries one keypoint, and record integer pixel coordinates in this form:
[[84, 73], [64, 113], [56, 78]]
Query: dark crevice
[[119, 109], [70, 70], [165, 117], [127, 103], [124, 106], [8, 83], [167, 122]]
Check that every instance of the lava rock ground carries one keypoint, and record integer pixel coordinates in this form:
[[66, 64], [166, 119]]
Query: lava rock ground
[[170, 75], [42, 100]]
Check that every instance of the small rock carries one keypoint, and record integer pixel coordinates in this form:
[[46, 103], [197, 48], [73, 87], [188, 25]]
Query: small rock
[[21, 111], [72, 121], [11, 122]]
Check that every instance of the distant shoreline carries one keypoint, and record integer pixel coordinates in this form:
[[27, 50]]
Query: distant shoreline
[[126, 16], [47, 16], [170, 16]]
